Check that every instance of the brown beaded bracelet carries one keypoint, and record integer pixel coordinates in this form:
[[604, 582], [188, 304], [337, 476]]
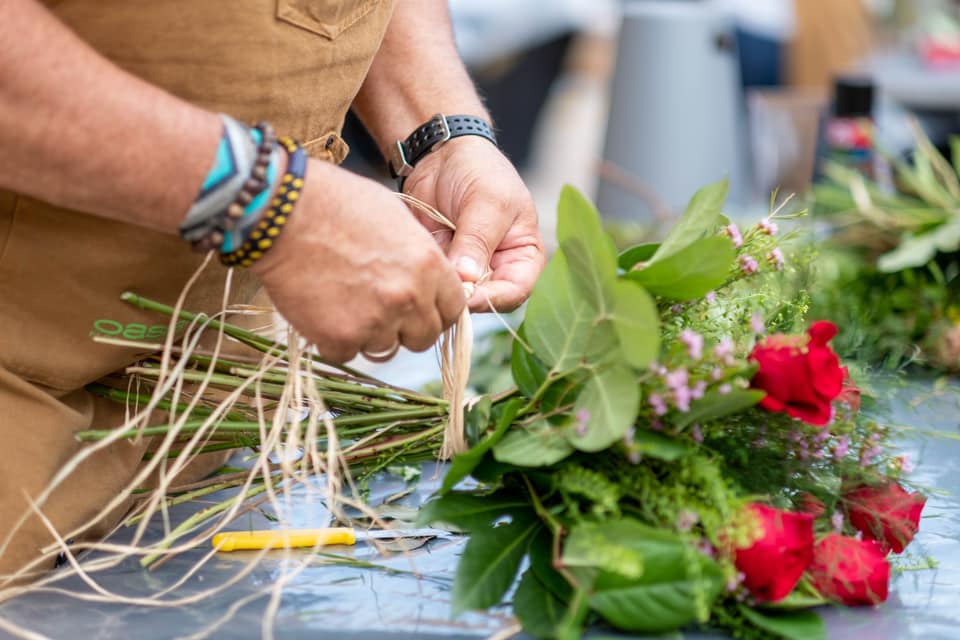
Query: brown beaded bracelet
[[253, 186], [264, 234]]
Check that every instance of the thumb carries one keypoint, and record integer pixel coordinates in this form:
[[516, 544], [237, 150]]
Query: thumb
[[480, 230]]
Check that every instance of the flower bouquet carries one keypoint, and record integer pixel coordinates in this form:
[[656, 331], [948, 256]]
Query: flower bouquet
[[675, 450], [892, 265], [662, 462]]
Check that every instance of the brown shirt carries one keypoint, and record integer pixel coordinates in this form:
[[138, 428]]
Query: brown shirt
[[296, 63]]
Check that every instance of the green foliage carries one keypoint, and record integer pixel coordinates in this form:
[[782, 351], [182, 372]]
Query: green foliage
[[537, 445], [490, 562], [538, 610], [606, 408], [464, 464], [792, 625], [647, 580], [689, 273]]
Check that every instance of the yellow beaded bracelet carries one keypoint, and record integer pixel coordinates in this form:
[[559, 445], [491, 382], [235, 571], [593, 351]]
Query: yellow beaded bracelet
[[264, 233]]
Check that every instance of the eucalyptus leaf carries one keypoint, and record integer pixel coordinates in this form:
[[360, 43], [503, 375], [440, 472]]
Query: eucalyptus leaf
[[470, 511], [490, 562], [589, 251], [700, 220], [537, 445], [793, 625], [633, 256], [636, 323], [691, 271], [714, 405], [606, 409], [538, 610], [562, 327], [528, 371], [466, 462]]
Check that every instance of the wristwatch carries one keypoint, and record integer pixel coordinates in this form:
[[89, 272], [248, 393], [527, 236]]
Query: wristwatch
[[431, 135]]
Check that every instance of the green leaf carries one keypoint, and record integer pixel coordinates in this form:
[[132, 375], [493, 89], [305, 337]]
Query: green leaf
[[541, 562], [955, 153], [538, 610], [608, 404], [561, 326], [636, 254], [589, 251], [490, 562], [700, 220], [471, 512], [537, 445], [636, 323], [466, 462], [918, 250], [659, 446], [715, 405], [528, 372], [691, 271], [676, 587], [605, 547], [795, 625], [477, 418]]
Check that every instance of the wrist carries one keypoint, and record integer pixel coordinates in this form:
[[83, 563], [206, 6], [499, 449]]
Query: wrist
[[432, 136]]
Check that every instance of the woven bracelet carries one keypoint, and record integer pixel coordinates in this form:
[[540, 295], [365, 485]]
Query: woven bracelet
[[244, 203], [264, 233]]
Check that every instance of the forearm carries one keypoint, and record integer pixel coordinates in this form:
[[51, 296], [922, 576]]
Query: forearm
[[79, 132], [416, 73]]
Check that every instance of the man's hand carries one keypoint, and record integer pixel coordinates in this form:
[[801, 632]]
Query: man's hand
[[472, 183], [354, 270]]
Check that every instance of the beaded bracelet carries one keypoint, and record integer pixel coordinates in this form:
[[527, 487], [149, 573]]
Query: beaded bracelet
[[253, 186], [264, 234]]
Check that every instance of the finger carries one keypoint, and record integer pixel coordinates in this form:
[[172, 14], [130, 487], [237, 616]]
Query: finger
[[450, 298], [420, 332], [443, 237], [481, 227], [501, 296]]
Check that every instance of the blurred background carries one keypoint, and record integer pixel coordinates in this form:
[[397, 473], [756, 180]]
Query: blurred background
[[640, 102]]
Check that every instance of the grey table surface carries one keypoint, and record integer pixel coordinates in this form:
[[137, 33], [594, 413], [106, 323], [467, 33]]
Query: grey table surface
[[335, 601]]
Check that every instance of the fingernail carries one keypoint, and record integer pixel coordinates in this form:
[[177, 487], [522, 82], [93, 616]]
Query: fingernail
[[468, 268]]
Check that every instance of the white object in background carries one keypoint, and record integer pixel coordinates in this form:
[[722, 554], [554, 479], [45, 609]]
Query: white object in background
[[488, 30], [774, 19], [675, 110]]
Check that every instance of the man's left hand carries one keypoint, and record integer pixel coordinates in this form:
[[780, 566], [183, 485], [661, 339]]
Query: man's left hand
[[474, 185]]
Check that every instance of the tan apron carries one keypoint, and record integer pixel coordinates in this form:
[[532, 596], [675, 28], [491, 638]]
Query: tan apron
[[295, 63]]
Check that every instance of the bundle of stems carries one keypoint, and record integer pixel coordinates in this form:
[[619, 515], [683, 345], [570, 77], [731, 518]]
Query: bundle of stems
[[374, 424]]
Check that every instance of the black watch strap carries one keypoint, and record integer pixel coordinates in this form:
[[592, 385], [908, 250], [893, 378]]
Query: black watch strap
[[430, 135]]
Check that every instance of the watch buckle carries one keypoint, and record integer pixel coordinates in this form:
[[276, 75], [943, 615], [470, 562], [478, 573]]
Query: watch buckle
[[441, 120], [398, 161]]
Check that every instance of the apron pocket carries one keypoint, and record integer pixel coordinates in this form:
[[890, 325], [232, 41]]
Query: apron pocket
[[328, 18]]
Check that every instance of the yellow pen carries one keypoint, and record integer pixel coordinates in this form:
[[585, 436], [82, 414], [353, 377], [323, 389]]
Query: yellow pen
[[306, 538]]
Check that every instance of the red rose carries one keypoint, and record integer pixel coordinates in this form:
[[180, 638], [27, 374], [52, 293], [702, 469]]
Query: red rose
[[850, 571], [886, 513], [781, 551], [801, 375]]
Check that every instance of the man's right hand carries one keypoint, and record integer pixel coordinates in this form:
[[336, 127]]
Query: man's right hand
[[354, 271]]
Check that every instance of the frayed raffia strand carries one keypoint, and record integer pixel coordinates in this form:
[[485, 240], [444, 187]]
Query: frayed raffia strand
[[456, 351]]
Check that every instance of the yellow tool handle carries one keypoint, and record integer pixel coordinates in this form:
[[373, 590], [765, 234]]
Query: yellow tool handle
[[295, 538]]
